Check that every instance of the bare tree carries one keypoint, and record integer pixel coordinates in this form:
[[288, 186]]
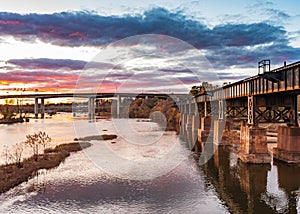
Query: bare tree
[[16, 155], [44, 140], [37, 139], [6, 155], [32, 141]]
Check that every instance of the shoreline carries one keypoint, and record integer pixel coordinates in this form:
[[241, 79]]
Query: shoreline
[[11, 175]]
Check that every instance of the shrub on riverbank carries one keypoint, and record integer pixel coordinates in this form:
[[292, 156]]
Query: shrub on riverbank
[[12, 175], [37, 139]]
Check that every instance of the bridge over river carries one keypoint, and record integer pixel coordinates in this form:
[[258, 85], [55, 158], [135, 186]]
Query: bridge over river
[[269, 97], [39, 108]]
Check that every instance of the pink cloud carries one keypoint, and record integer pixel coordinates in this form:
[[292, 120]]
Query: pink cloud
[[10, 22]]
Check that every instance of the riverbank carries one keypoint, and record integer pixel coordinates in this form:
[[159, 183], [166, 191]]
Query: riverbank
[[13, 120], [11, 175]]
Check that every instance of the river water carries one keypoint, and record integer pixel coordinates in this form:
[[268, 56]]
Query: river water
[[145, 170]]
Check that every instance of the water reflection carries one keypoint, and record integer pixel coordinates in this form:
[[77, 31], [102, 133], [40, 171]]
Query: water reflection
[[222, 185], [253, 188], [79, 187]]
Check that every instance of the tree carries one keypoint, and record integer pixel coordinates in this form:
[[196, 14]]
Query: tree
[[16, 155], [44, 140], [6, 155], [204, 87], [8, 110], [35, 140], [195, 90]]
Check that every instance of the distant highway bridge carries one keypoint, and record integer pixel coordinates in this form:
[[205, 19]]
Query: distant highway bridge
[[40, 108]]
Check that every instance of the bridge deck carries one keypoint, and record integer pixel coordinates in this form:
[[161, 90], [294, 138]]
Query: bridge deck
[[285, 80]]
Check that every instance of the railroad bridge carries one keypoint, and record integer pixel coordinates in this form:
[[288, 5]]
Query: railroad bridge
[[268, 97]]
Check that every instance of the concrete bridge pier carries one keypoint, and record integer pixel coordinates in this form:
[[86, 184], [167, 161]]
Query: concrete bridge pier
[[253, 147], [219, 124], [288, 145], [118, 105], [195, 128], [189, 124], [42, 109], [189, 133], [194, 132], [91, 108], [182, 126], [288, 140], [183, 121], [253, 139], [36, 108], [204, 129], [204, 132], [39, 108]]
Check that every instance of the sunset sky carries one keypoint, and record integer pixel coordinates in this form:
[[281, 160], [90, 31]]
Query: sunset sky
[[67, 45]]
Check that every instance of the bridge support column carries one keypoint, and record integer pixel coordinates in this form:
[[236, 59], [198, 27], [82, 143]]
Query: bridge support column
[[184, 117], [189, 134], [183, 122], [36, 108], [118, 106], [195, 127], [219, 126], [91, 108], [205, 127], [42, 108], [254, 145], [189, 125], [288, 144]]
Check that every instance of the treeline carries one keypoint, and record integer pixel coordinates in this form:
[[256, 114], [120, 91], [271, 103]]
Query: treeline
[[144, 108], [201, 89]]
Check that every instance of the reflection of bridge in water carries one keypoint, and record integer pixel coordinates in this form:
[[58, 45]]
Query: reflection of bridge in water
[[252, 188]]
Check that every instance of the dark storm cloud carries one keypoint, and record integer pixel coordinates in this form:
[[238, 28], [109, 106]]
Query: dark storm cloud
[[176, 70], [84, 28], [44, 63], [226, 44], [55, 64]]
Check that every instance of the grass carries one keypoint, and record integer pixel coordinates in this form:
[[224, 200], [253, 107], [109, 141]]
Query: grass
[[11, 175]]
